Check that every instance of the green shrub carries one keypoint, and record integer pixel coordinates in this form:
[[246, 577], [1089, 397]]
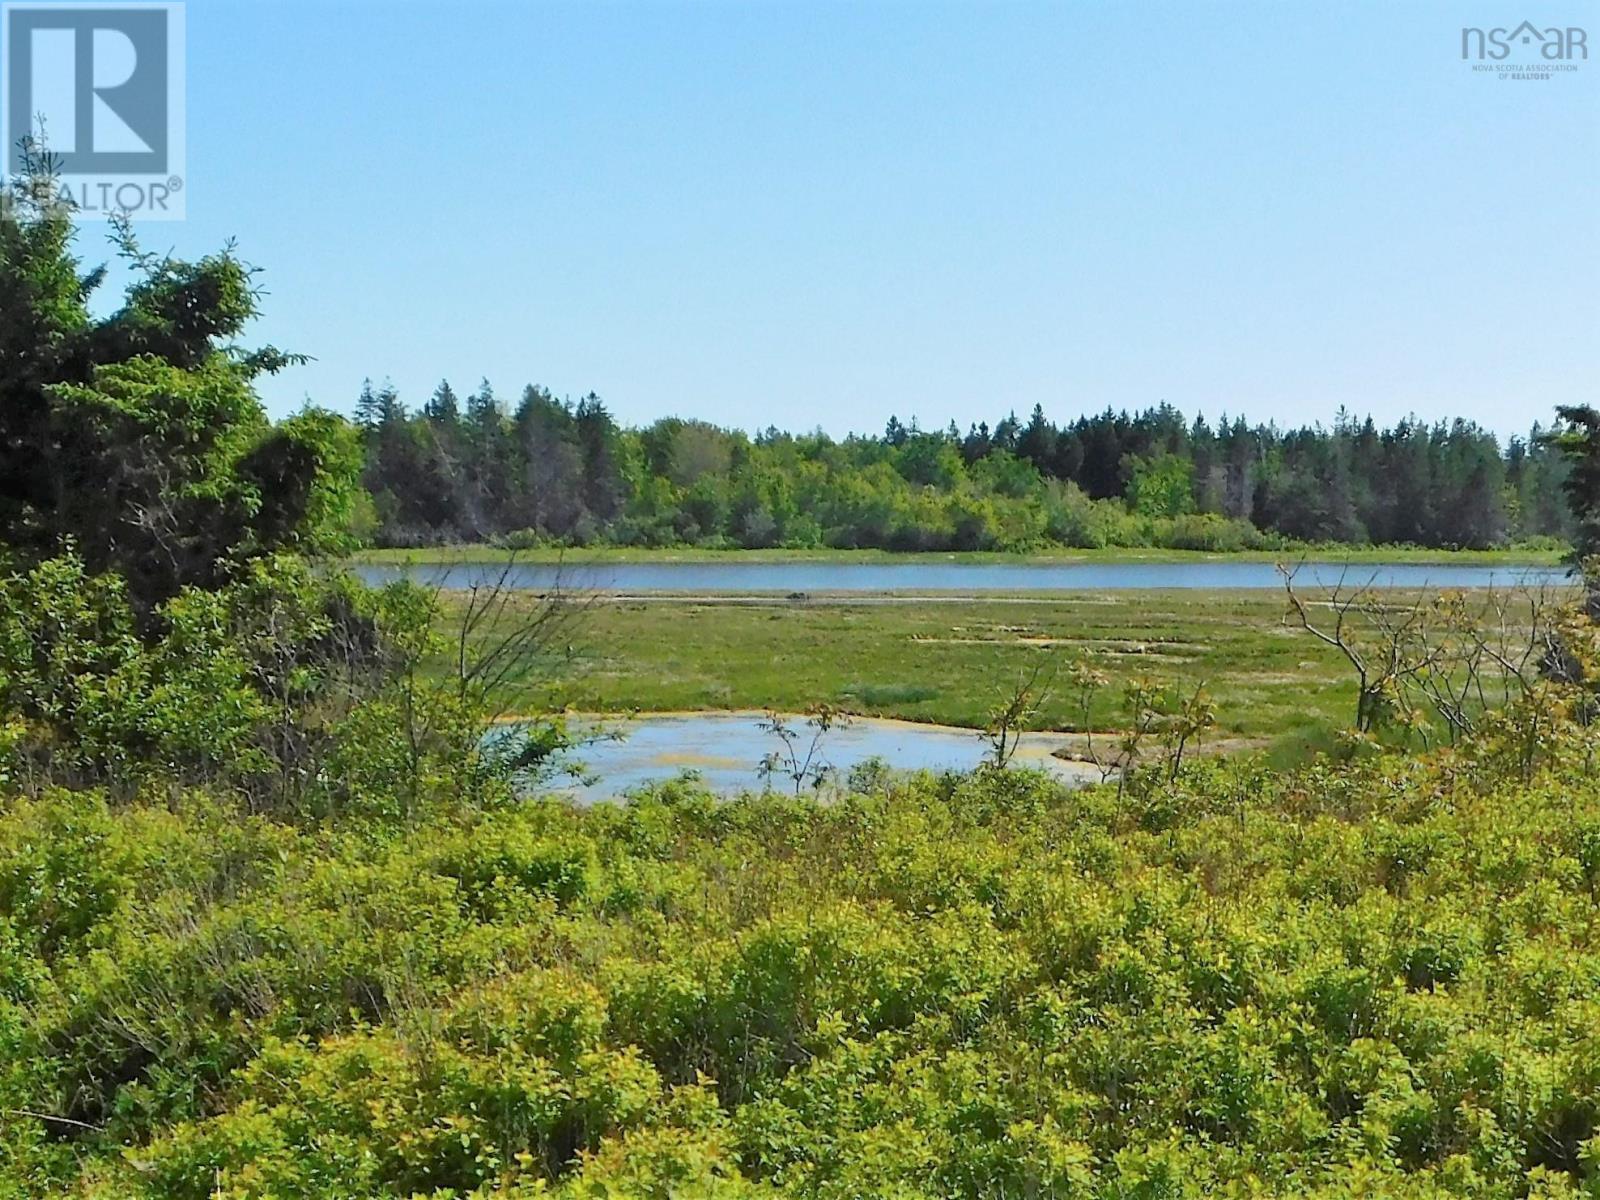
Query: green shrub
[[1379, 979]]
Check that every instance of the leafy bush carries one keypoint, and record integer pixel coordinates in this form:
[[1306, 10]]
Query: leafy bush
[[1380, 977], [1211, 532], [295, 688]]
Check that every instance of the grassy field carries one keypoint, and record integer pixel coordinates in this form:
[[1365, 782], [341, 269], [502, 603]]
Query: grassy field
[[1534, 556], [950, 661]]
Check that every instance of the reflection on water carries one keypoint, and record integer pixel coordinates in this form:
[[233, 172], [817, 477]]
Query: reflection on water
[[953, 576], [726, 748]]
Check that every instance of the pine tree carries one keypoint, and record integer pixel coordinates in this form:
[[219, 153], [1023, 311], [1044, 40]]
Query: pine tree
[[136, 438], [1037, 442], [369, 412], [1578, 440], [442, 408]]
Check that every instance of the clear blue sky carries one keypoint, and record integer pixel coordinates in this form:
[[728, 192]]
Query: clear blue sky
[[822, 214]]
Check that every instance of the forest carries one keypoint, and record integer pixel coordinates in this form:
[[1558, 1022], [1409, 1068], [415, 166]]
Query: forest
[[285, 914], [546, 471]]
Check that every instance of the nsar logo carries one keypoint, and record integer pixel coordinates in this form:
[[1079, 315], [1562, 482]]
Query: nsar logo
[[1553, 44]]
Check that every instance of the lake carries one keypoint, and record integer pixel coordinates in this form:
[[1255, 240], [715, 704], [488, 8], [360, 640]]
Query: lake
[[943, 575], [725, 749]]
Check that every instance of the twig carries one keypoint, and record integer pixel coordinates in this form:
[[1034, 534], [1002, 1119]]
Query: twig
[[43, 1116]]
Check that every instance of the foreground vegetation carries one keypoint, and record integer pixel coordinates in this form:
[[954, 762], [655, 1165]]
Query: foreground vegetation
[[1372, 980]]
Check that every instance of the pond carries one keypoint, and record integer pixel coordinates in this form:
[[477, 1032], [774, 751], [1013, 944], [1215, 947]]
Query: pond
[[944, 575], [726, 748]]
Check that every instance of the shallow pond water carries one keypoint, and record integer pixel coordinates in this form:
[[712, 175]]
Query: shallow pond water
[[726, 748], [944, 575]]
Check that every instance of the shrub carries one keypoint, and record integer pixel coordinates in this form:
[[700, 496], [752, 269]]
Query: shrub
[[1380, 977]]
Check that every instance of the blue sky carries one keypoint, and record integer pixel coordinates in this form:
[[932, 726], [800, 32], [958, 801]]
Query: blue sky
[[822, 214]]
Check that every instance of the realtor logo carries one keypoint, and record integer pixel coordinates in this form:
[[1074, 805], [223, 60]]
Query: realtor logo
[[1552, 44], [101, 89]]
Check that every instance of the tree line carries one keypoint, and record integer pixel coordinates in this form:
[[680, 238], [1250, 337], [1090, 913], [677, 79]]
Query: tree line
[[547, 470]]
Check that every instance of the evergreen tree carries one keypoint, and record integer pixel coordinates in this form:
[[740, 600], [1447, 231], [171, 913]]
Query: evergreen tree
[[442, 408], [1037, 442], [369, 411], [597, 436], [137, 437], [1578, 441]]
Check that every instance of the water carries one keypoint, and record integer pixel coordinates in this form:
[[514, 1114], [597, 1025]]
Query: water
[[725, 748], [945, 575]]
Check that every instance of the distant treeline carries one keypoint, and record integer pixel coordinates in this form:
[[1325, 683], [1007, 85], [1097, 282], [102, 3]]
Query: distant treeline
[[547, 470]]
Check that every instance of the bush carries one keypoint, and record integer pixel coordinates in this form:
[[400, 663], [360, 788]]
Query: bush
[[1211, 532], [981, 985]]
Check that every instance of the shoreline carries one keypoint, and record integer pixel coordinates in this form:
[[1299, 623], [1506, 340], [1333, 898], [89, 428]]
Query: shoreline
[[1357, 555]]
